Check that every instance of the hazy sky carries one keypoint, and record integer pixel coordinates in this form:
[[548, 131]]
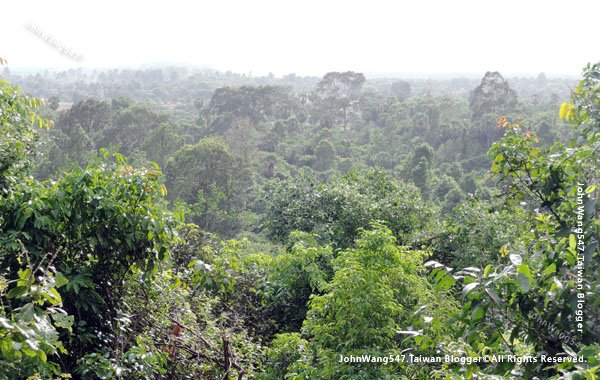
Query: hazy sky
[[308, 37]]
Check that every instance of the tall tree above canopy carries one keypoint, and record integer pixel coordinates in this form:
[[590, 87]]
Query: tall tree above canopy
[[493, 95], [337, 92], [254, 104]]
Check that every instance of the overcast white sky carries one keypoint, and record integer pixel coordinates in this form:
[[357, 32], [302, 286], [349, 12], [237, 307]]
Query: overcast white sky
[[309, 37]]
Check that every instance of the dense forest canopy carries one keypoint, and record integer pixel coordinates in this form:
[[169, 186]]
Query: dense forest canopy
[[171, 223]]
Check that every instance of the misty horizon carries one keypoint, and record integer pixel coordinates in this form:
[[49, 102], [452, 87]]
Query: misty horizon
[[197, 68], [428, 39]]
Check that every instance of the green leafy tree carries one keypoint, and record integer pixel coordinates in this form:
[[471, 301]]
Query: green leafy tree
[[294, 277], [75, 138], [337, 92], [208, 176], [71, 243], [493, 95], [335, 210], [285, 349], [160, 143], [31, 321], [531, 301], [324, 155], [131, 127], [372, 107], [95, 224], [376, 297], [18, 137], [475, 234], [418, 168], [254, 104], [91, 115], [31, 313]]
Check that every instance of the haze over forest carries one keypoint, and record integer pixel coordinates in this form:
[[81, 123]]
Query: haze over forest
[[308, 38]]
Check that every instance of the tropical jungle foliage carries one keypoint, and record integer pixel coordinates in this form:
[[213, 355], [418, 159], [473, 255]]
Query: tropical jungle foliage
[[299, 222]]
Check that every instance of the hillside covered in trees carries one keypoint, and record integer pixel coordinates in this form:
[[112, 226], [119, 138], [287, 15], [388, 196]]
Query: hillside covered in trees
[[172, 223]]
